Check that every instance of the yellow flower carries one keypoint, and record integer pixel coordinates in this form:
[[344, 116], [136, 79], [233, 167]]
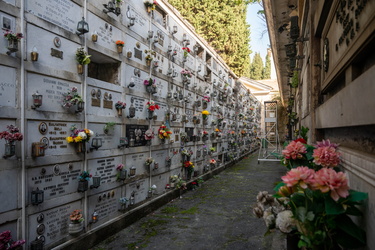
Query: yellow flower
[[78, 139], [165, 134], [69, 139], [205, 112]]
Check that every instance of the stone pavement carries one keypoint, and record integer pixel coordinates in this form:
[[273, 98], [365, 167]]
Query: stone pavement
[[216, 215]]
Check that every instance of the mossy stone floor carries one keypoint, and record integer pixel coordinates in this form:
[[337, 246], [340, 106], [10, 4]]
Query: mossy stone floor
[[216, 215]]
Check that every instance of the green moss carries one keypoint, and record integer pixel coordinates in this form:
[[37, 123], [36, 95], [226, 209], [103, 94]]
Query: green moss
[[192, 210], [169, 210], [153, 223]]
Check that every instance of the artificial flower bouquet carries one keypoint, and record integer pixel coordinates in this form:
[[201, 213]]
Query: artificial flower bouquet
[[149, 161], [71, 98], [186, 73], [151, 106], [206, 99], [11, 134], [149, 82], [164, 132], [149, 134], [120, 105], [186, 51], [205, 114], [150, 3], [76, 216], [79, 135], [318, 197], [120, 43], [84, 176], [9, 35], [189, 166], [6, 241]]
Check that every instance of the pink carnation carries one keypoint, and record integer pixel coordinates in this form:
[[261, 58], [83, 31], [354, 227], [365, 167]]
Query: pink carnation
[[326, 157], [301, 176], [327, 179], [294, 150]]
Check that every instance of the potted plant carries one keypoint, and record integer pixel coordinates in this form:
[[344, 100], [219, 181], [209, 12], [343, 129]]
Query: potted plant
[[72, 98], [119, 107], [6, 241], [11, 135], [76, 222], [120, 45], [82, 58], [79, 137], [151, 107], [150, 4], [121, 172], [13, 39]]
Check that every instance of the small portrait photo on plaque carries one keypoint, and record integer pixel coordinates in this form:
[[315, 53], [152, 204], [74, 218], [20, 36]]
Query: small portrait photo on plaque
[[6, 23], [43, 128]]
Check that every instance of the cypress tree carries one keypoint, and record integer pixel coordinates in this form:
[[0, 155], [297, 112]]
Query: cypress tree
[[256, 70]]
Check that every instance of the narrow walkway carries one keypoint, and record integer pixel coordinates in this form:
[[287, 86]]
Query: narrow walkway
[[217, 215]]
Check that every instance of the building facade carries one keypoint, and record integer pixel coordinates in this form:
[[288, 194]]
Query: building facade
[[324, 56], [104, 66]]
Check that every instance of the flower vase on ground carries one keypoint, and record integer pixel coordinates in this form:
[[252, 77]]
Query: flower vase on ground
[[75, 228], [10, 149], [83, 185]]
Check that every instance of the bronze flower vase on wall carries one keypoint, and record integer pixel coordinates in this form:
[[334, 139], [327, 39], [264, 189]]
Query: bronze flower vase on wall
[[80, 69], [10, 149], [80, 147], [83, 185], [119, 112]]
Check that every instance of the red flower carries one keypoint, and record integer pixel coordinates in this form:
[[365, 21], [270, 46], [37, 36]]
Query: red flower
[[301, 140], [151, 108], [157, 106]]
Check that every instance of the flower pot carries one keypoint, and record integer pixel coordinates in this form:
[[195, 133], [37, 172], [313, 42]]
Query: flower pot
[[119, 112], [12, 45], [80, 69], [149, 9], [129, 54], [204, 105], [162, 141], [10, 149], [75, 228], [83, 185], [148, 62], [118, 11], [122, 207], [148, 143], [119, 49], [80, 147]]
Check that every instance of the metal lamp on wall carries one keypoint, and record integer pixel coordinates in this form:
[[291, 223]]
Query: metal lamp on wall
[[131, 17], [82, 27], [37, 100], [96, 143], [95, 181]]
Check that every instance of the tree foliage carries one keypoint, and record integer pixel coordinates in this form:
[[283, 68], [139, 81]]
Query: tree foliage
[[267, 68], [256, 70], [223, 24]]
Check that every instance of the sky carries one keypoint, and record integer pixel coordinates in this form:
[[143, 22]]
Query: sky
[[257, 25]]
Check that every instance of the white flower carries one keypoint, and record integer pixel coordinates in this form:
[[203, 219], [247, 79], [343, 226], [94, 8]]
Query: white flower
[[285, 222], [153, 187], [269, 218], [82, 135], [91, 133]]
